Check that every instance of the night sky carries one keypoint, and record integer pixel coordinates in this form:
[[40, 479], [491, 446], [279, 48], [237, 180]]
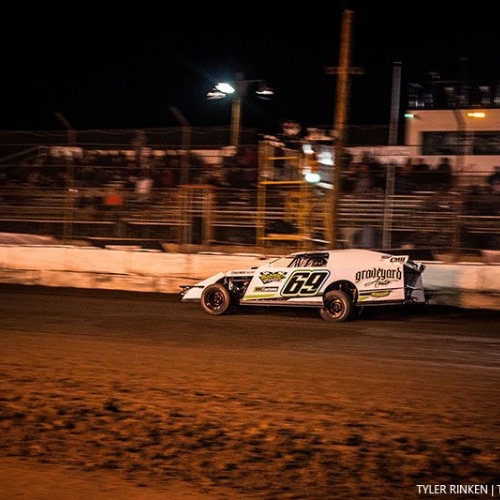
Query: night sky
[[126, 64]]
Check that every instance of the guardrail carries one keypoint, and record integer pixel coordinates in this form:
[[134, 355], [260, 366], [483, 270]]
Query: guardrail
[[468, 285]]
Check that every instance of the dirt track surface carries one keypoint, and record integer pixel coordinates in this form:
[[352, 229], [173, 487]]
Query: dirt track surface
[[143, 399]]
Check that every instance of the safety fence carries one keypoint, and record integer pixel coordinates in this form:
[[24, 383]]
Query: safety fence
[[256, 198], [208, 215]]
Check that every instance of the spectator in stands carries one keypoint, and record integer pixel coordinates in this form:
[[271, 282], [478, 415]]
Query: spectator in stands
[[35, 178], [377, 172], [167, 178], [143, 188], [476, 201], [404, 183], [349, 177], [235, 177], [363, 182], [422, 175], [248, 161], [291, 134], [494, 181], [443, 177]]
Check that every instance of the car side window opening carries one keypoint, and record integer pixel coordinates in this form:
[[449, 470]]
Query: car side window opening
[[309, 261], [319, 262]]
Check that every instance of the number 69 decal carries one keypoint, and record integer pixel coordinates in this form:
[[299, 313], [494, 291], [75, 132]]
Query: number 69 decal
[[304, 283]]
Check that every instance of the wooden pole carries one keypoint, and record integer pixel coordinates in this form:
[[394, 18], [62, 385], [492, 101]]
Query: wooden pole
[[340, 119]]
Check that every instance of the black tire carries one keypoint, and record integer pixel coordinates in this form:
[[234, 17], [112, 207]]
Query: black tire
[[337, 306], [216, 299]]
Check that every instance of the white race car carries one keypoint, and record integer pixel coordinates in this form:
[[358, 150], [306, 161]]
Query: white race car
[[337, 282]]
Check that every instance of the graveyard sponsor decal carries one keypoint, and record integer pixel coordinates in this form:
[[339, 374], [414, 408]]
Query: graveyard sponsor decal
[[378, 276]]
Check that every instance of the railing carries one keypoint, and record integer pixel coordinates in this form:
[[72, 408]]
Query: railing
[[207, 215]]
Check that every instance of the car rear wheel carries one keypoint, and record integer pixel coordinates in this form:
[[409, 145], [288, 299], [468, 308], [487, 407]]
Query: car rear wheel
[[216, 299], [337, 306]]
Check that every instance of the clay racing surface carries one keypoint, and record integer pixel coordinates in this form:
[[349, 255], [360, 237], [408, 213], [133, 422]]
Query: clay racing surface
[[109, 395]]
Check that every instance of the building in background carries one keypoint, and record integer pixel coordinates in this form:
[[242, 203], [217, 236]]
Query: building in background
[[459, 120]]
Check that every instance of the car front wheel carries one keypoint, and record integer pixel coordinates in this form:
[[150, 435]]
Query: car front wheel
[[337, 306], [216, 299]]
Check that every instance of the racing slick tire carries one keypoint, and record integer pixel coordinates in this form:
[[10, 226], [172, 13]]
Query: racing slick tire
[[337, 306], [216, 299]]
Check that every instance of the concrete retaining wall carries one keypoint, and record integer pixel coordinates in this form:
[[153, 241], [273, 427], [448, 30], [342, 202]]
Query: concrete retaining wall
[[465, 284]]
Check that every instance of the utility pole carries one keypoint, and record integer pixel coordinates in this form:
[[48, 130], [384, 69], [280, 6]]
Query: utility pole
[[344, 71], [396, 99]]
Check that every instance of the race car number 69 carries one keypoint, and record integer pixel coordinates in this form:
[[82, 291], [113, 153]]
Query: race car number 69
[[304, 283]]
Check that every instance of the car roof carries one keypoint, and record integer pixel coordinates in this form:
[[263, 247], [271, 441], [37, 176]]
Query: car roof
[[345, 253]]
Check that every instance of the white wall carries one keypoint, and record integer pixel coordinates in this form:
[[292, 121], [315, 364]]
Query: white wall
[[467, 285]]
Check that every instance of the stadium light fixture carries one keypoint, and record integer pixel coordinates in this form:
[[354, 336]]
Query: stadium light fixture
[[237, 91]]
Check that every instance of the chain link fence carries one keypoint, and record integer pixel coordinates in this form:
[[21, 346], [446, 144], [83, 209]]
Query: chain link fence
[[174, 187]]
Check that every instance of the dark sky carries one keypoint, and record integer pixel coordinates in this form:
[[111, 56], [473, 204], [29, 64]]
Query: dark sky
[[113, 64]]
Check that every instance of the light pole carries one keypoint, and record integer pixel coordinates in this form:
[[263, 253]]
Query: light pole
[[241, 89], [238, 92]]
